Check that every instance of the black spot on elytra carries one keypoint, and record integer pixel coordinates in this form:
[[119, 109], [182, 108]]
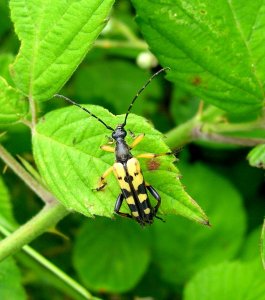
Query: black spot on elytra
[[141, 189], [128, 179], [126, 193]]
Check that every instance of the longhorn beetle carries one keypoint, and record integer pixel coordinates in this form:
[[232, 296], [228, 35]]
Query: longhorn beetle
[[127, 169]]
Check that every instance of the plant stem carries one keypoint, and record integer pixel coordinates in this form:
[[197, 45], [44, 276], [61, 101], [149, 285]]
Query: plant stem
[[124, 30], [195, 130], [34, 185], [33, 111], [107, 44], [235, 127], [182, 134], [46, 218], [219, 138], [27, 123], [75, 286]]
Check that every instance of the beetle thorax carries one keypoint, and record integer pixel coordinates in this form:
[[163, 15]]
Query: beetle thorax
[[122, 151]]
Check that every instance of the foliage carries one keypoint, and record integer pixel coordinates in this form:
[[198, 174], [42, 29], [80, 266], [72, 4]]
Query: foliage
[[239, 279], [10, 287], [209, 113]]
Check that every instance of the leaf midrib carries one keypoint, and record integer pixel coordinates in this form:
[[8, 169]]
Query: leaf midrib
[[203, 66], [245, 42], [70, 41]]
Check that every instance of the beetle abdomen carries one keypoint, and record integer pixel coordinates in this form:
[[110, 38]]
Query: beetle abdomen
[[131, 181]]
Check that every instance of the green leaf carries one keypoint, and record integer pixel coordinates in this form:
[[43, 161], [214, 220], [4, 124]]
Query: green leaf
[[117, 254], [5, 60], [193, 247], [55, 36], [214, 49], [251, 248], [10, 281], [13, 106], [256, 156], [263, 244], [30, 169], [67, 151], [6, 215], [228, 281]]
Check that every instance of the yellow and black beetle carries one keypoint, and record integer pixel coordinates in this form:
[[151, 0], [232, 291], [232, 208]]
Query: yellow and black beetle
[[127, 169]]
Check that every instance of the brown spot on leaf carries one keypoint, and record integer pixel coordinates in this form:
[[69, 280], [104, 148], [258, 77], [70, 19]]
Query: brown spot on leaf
[[196, 80], [153, 165]]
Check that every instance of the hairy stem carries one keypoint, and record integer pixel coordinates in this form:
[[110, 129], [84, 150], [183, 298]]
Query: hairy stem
[[196, 130], [223, 139], [38, 258], [46, 218], [124, 30], [107, 44], [31, 182], [33, 110], [182, 134]]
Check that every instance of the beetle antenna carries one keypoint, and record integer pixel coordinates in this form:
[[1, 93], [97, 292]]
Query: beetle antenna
[[140, 91], [83, 108]]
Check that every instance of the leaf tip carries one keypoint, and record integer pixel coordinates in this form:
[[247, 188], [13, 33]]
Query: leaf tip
[[207, 223]]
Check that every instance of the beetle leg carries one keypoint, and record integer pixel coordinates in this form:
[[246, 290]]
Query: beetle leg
[[102, 182], [137, 140], [131, 134], [110, 139], [152, 155], [118, 207], [155, 194], [107, 148]]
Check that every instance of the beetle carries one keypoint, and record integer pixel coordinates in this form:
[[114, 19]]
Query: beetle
[[127, 169]]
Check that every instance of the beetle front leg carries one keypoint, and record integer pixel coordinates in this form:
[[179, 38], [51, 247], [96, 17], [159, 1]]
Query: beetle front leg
[[152, 155], [102, 182], [137, 140], [118, 207]]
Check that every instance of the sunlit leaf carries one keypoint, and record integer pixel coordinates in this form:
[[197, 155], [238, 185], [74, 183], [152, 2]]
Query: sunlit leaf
[[55, 36], [67, 151], [214, 48], [10, 285], [6, 215], [5, 60], [12, 103], [256, 156]]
